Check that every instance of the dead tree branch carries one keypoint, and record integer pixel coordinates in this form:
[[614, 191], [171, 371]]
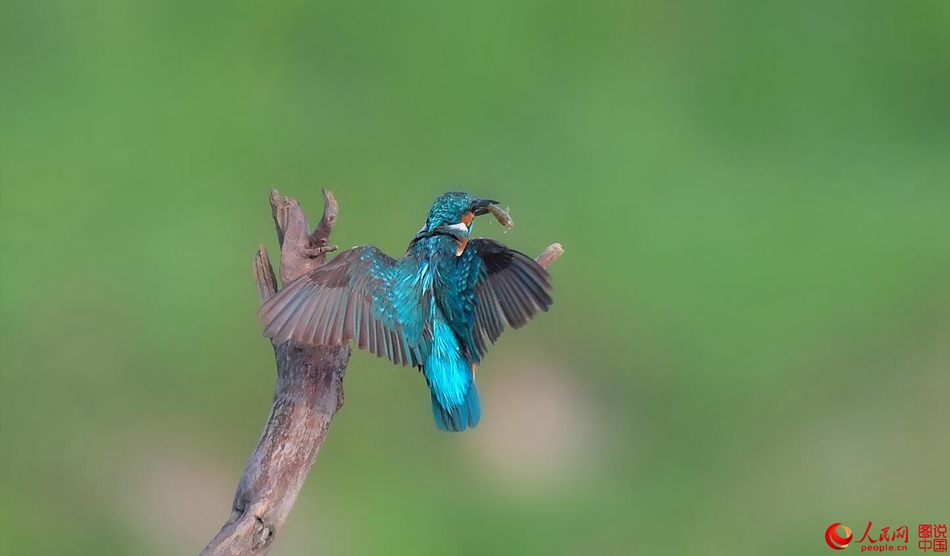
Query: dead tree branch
[[308, 394]]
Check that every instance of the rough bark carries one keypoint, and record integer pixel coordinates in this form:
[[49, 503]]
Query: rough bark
[[308, 394]]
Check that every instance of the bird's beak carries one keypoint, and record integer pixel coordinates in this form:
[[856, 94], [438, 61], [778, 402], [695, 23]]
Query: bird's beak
[[481, 206]]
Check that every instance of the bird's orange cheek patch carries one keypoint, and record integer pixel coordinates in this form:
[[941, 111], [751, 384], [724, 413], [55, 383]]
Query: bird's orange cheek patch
[[467, 218], [460, 247]]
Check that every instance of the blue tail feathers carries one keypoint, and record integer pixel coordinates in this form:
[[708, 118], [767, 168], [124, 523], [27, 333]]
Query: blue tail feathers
[[451, 380], [459, 417]]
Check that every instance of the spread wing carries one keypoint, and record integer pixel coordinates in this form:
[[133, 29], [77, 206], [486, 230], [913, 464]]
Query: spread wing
[[348, 298], [510, 288]]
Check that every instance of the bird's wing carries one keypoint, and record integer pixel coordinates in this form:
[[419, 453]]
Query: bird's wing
[[510, 288], [348, 298]]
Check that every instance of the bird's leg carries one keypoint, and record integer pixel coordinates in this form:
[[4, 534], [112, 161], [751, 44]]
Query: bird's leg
[[314, 252], [318, 240]]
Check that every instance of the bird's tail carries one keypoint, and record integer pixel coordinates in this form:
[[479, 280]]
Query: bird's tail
[[459, 417], [451, 379]]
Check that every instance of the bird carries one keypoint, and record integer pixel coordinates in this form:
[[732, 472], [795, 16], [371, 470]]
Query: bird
[[438, 309]]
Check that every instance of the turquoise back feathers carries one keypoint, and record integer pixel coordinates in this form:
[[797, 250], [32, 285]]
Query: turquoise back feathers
[[438, 309]]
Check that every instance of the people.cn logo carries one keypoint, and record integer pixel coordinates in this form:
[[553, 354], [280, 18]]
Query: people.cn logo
[[836, 541]]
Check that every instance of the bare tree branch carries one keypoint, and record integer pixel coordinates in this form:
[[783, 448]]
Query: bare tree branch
[[264, 275], [549, 255], [308, 393]]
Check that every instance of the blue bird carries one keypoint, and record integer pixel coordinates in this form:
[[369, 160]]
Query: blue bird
[[438, 308]]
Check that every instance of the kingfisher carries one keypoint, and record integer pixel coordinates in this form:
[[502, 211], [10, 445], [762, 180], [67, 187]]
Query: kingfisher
[[438, 308]]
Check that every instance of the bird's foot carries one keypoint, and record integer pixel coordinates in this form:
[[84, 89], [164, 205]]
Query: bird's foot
[[314, 252]]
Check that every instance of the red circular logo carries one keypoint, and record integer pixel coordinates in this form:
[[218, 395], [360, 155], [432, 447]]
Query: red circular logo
[[836, 541]]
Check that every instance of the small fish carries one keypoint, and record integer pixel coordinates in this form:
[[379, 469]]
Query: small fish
[[502, 216]]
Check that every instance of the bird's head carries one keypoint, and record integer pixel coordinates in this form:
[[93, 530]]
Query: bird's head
[[454, 213]]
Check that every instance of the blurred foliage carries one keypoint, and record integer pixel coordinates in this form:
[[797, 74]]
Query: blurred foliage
[[752, 329]]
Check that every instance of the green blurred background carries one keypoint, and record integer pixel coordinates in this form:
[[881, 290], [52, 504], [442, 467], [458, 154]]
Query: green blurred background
[[751, 335]]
